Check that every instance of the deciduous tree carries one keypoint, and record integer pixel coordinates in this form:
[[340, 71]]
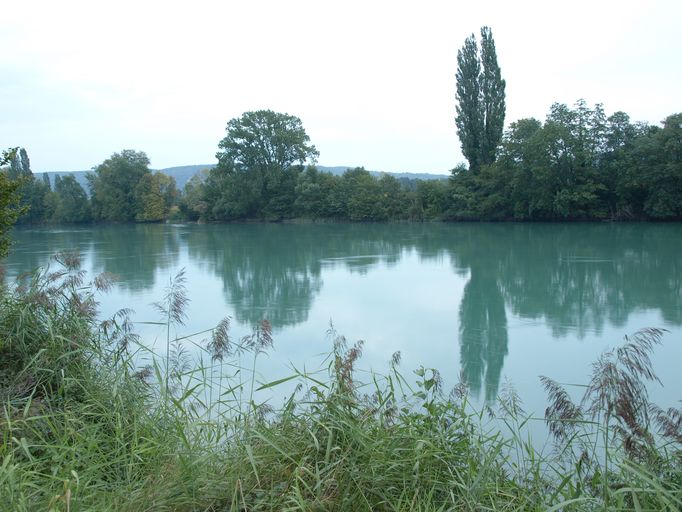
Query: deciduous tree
[[258, 166], [71, 201], [113, 185], [264, 139], [10, 208], [155, 194]]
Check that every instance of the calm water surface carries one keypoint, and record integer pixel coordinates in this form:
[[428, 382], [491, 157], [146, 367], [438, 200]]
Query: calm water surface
[[494, 302]]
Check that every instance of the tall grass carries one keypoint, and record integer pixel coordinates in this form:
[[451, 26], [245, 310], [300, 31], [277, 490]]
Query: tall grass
[[85, 426]]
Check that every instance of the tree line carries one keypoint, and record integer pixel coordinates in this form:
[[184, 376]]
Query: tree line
[[121, 189], [579, 164]]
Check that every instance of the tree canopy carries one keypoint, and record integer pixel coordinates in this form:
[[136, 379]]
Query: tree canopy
[[258, 166], [113, 186], [264, 139], [71, 201]]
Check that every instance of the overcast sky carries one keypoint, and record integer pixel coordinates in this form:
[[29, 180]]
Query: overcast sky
[[372, 81]]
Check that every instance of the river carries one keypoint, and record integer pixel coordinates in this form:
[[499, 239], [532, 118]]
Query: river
[[497, 304]]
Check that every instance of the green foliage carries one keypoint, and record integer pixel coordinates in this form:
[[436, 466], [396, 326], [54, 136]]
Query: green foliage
[[577, 165], [192, 205], [492, 98], [258, 167], [659, 155], [10, 201], [469, 118], [480, 100], [33, 192], [313, 191], [71, 201], [155, 194], [113, 186], [19, 163], [362, 195], [394, 198], [264, 139], [431, 200]]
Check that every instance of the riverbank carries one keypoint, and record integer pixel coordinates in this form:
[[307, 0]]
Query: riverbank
[[87, 428]]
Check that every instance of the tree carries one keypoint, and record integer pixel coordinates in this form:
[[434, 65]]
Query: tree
[[314, 190], [361, 194], [469, 119], [493, 98], [113, 186], [71, 201], [394, 198], [658, 164], [265, 139], [33, 192], [155, 195], [431, 200], [19, 164], [480, 100], [10, 208], [192, 199], [258, 166], [519, 156]]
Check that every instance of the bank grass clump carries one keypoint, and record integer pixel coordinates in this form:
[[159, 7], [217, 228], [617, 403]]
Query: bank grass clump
[[95, 419]]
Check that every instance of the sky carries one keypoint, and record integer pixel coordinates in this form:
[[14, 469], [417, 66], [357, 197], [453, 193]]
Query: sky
[[372, 81]]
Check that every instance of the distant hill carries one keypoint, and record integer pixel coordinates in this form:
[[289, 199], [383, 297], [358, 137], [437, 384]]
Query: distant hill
[[79, 175], [409, 175], [184, 173]]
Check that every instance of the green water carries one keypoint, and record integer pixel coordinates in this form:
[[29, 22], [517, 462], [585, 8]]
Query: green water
[[492, 302]]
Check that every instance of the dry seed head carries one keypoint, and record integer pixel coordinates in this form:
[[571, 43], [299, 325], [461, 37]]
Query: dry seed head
[[175, 300], [71, 260], [220, 344], [104, 281], [562, 412], [395, 359]]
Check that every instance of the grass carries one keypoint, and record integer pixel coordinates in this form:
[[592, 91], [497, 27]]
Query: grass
[[85, 427]]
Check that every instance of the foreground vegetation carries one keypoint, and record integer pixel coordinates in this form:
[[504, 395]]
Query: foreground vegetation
[[87, 424]]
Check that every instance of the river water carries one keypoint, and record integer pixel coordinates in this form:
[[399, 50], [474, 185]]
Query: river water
[[498, 304]]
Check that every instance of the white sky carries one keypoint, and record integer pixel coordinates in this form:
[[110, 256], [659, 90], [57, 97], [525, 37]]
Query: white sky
[[372, 81]]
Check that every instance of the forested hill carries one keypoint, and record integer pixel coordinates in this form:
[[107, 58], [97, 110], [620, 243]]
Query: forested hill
[[184, 173]]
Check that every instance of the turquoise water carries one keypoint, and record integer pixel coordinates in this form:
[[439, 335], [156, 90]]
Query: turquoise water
[[494, 303]]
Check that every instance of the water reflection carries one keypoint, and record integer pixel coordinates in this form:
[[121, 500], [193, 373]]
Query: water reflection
[[574, 278], [135, 253], [483, 336], [273, 271], [580, 277], [482, 333], [33, 248]]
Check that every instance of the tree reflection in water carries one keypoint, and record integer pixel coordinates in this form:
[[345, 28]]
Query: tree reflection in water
[[575, 278]]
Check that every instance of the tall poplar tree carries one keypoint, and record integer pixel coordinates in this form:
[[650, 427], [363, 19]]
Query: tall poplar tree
[[493, 98], [480, 100], [469, 119]]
